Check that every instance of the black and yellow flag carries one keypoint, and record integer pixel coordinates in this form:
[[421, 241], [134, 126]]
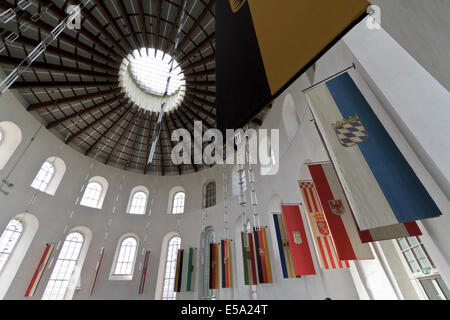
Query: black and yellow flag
[[262, 46]]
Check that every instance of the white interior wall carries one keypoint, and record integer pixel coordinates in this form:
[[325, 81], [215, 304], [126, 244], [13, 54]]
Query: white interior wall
[[53, 212]]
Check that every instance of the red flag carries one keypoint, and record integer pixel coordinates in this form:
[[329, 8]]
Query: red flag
[[337, 214], [298, 243]]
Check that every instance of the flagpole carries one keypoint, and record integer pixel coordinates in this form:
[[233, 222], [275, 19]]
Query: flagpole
[[353, 66]]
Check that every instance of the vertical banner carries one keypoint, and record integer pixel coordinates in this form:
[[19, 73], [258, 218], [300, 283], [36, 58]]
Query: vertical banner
[[400, 230], [262, 256], [323, 242], [337, 214], [144, 272], [190, 281], [287, 265], [381, 187], [179, 271], [301, 254], [248, 258], [39, 270], [97, 269], [214, 266], [227, 273]]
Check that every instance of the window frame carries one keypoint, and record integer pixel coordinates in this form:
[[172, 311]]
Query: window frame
[[47, 183], [125, 277], [174, 206], [131, 203], [14, 246], [173, 263], [90, 199]]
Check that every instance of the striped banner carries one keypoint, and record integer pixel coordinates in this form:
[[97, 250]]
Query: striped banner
[[262, 256], [400, 230], [283, 246], [338, 214], [190, 281], [39, 270], [144, 272], [298, 242], [179, 271], [214, 266], [323, 242], [227, 273], [248, 258], [97, 269]]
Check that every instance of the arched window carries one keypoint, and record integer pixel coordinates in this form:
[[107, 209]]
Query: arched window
[[11, 136], [209, 194], [269, 164], [91, 196], [290, 118], [64, 267], [209, 237], [138, 200], [43, 177], [8, 240], [178, 203], [95, 193], [170, 270], [125, 259]]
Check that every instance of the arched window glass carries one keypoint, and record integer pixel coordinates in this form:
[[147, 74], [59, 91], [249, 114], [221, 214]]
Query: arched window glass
[[43, 177], [125, 259], [178, 203], [9, 240], [171, 267], [138, 203], [64, 267], [210, 195], [91, 196], [210, 237]]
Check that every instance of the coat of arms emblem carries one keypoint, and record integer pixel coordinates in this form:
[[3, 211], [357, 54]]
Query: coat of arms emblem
[[297, 237], [350, 131], [236, 5], [321, 224], [337, 207]]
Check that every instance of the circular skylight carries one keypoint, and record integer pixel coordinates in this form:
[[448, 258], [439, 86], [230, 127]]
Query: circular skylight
[[151, 71]]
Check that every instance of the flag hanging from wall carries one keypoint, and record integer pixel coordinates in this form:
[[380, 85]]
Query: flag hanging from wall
[[287, 265], [179, 271], [214, 266], [298, 243], [227, 273], [40, 270], [323, 242], [248, 258], [400, 230], [337, 214], [263, 46], [381, 187], [262, 255], [144, 271], [190, 280]]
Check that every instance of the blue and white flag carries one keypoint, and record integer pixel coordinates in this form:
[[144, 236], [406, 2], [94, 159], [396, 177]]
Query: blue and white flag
[[380, 185]]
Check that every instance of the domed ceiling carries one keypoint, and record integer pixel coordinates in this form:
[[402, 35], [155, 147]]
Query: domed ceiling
[[92, 87]]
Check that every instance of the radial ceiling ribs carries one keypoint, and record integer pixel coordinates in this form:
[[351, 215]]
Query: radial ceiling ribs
[[174, 26], [175, 126], [148, 142], [139, 127], [143, 24], [166, 128], [197, 48], [158, 25], [133, 120], [79, 99], [95, 107], [114, 124], [202, 62], [94, 123], [61, 14], [61, 84], [126, 17], [113, 23]]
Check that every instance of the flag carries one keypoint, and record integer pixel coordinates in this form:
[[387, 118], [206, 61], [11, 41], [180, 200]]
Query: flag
[[179, 271], [337, 214], [39, 270], [264, 46], [144, 272], [248, 258], [323, 242], [227, 273], [287, 265], [214, 266], [381, 187], [298, 243], [262, 256], [400, 230], [190, 280]]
